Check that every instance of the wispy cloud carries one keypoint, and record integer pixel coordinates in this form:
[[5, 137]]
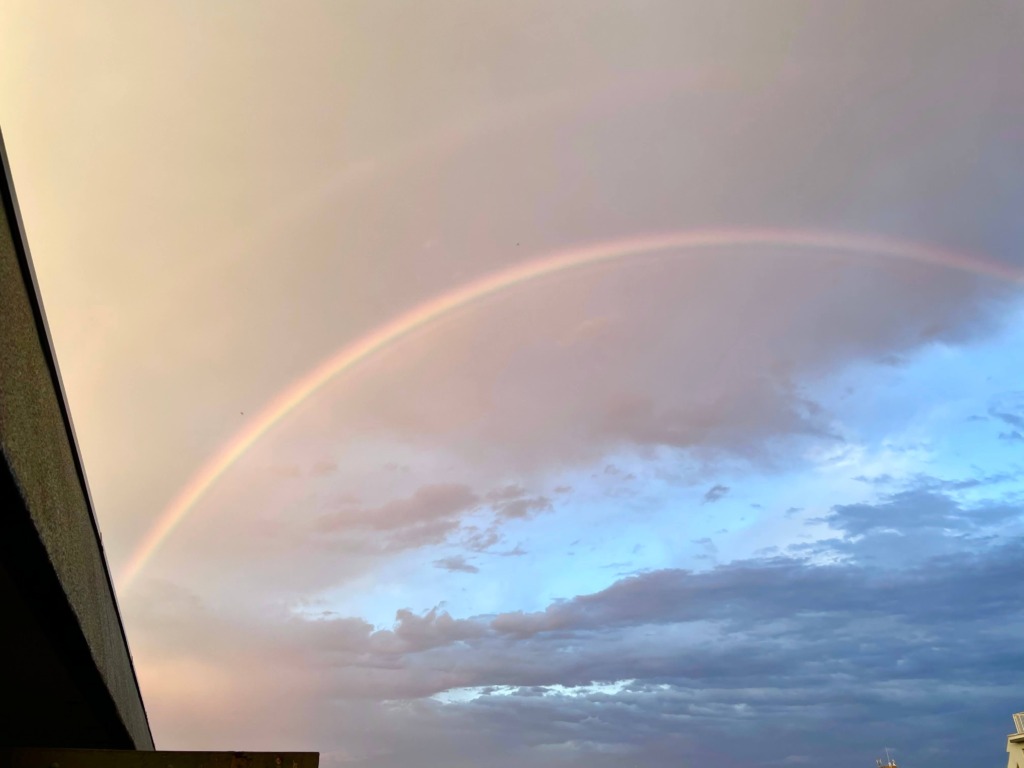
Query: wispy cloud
[[715, 493], [456, 564]]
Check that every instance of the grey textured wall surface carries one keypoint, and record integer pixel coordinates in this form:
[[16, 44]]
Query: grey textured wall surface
[[45, 758], [55, 579]]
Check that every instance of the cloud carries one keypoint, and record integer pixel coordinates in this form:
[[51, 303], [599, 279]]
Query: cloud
[[714, 493], [456, 564], [779, 646], [481, 540], [506, 493], [1009, 409], [430, 504], [429, 516], [894, 123], [911, 526], [709, 354], [510, 502], [517, 509]]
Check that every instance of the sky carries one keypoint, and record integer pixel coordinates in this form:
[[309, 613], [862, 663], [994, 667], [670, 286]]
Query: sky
[[566, 384]]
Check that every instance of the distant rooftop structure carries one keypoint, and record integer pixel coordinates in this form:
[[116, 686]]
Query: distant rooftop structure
[[1015, 743]]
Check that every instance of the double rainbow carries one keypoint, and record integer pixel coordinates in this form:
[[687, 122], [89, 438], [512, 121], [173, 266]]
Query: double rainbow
[[478, 290]]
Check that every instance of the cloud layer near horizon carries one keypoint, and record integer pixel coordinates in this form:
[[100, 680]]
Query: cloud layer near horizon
[[801, 658]]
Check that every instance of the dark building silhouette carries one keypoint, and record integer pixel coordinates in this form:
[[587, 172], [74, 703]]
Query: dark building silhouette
[[66, 675]]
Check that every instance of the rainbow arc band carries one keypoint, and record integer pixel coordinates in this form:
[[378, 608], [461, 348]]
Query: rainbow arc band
[[482, 288]]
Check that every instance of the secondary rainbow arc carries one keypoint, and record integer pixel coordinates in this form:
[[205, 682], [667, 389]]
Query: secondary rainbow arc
[[480, 289]]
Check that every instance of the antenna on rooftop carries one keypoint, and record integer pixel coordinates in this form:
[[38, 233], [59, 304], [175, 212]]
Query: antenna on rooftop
[[889, 763]]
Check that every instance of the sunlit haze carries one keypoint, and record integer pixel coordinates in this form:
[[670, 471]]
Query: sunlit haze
[[571, 383]]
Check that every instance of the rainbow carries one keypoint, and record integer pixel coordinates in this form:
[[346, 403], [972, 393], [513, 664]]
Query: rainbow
[[480, 289]]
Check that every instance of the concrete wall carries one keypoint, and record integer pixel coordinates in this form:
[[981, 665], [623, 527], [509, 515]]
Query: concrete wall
[[66, 676], [1015, 746]]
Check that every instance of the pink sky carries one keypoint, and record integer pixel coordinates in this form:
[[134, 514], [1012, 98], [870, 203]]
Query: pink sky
[[591, 517]]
